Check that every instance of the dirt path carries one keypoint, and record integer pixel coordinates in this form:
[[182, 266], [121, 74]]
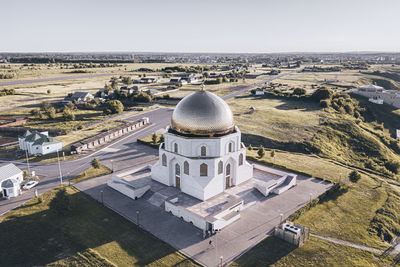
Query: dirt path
[[349, 244]]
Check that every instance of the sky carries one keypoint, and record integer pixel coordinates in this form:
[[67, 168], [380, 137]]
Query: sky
[[248, 26]]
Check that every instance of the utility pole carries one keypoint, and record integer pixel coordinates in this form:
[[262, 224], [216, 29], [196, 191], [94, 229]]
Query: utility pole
[[59, 167], [27, 162]]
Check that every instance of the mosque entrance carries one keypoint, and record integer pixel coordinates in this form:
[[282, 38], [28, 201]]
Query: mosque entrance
[[177, 176], [228, 176]]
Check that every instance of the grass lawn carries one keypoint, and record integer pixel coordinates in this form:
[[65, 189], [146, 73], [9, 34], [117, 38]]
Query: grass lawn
[[349, 216], [276, 252], [88, 235], [91, 173]]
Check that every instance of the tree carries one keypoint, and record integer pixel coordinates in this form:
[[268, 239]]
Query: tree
[[49, 91], [272, 153], [114, 106], [250, 147], [393, 166], [162, 138], [68, 115], [51, 113], [154, 138], [25, 174], [322, 93], [354, 176], [261, 152], [325, 103], [96, 163]]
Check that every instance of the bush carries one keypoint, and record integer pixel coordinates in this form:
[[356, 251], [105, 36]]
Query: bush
[[25, 174], [49, 91], [162, 139], [96, 163], [354, 176], [114, 106]]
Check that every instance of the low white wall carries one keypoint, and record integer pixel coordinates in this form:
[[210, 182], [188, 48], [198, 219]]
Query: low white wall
[[124, 188], [186, 215]]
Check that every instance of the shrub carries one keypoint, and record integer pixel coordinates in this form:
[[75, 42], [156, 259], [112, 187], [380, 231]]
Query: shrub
[[162, 138], [25, 174], [354, 176], [250, 147], [96, 163], [49, 91]]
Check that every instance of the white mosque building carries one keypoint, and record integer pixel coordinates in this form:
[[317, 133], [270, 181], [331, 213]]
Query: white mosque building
[[202, 154]]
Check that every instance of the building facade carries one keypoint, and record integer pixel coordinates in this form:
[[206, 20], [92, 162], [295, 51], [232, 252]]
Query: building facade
[[35, 142]]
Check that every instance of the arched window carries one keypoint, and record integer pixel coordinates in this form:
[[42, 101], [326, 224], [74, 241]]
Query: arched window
[[186, 168], [220, 167], [164, 160], [203, 151], [203, 169], [176, 148], [230, 147], [228, 169], [240, 159], [177, 169]]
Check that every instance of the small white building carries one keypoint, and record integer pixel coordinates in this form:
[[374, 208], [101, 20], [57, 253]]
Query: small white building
[[11, 178], [39, 143]]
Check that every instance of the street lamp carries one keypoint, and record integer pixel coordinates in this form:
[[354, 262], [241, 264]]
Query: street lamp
[[102, 198], [112, 165], [59, 167], [27, 162], [221, 258], [310, 196], [137, 218], [216, 248], [281, 218]]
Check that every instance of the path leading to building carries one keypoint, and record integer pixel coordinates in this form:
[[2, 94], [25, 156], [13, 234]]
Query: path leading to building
[[349, 244]]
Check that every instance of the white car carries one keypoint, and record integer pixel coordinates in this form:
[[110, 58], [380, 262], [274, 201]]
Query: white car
[[30, 184]]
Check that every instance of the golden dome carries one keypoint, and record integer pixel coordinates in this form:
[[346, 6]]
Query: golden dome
[[202, 113]]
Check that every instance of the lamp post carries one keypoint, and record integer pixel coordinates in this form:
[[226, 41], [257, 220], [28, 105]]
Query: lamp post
[[281, 218], [310, 196], [137, 218], [216, 248], [221, 258], [59, 167], [102, 198], [27, 162], [112, 165]]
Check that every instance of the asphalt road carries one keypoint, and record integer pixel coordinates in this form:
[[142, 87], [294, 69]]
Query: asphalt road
[[122, 154], [54, 79]]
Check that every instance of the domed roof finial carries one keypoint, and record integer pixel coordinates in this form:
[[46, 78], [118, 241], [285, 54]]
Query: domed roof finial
[[202, 87]]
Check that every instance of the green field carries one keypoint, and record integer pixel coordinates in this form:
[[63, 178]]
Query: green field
[[87, 235]]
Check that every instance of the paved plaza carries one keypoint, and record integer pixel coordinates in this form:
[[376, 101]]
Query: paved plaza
[[257, 219]]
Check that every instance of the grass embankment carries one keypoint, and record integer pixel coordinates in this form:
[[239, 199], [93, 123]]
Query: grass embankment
[[92, 172], [148, 140], [276, 252], [88, 234], [351, 214]]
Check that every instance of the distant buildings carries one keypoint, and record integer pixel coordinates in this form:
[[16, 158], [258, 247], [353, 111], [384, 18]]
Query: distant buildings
[[148, 80], [11, 178], [379, 95], [39, 143]]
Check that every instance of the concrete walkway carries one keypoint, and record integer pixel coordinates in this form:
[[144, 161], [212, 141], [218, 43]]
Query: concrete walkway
[[349, 244]]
